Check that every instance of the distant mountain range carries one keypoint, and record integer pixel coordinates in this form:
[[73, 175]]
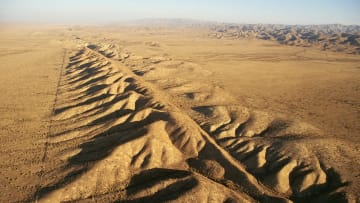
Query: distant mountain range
[[334, 37]]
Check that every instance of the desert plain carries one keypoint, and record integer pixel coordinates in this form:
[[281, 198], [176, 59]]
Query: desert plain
[[175, 113]]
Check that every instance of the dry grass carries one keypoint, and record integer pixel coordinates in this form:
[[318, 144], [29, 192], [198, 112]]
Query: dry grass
[[170, 114]]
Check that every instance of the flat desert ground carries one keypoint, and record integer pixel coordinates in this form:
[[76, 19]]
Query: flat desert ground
[[166, 113]]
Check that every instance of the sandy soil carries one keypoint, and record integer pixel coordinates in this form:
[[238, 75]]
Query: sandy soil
[[169, 114], [30, 66]]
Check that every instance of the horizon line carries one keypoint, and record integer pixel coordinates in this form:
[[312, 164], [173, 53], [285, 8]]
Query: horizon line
[[138, 20]]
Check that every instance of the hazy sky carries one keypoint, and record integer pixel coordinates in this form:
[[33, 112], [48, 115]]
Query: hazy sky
[[241, 11]]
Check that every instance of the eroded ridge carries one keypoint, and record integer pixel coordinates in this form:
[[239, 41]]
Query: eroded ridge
[[276, 150], [116, 138]]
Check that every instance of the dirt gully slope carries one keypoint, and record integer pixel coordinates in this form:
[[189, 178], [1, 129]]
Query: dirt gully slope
[[117, 138]]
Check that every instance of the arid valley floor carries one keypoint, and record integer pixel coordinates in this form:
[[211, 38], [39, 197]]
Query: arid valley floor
[[172, 113]]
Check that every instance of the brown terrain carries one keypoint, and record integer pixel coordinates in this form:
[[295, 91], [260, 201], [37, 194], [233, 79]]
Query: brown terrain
[[181, 113], [333, 37]]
